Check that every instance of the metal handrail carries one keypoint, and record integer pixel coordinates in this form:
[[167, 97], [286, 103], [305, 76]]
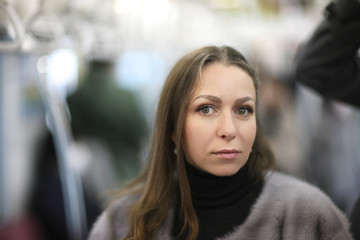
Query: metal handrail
[[70, 181], [63, 140]]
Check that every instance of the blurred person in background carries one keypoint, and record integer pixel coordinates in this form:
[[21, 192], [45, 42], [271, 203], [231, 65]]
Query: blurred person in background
[[209, 167], [329, 63], [104, 113], [278, 118], [108, 128]]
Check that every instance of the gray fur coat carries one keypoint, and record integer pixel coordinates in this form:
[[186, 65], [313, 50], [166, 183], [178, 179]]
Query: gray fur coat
[[287, 209]]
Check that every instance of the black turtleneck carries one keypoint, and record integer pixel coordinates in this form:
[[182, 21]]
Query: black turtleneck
[[221, 203]]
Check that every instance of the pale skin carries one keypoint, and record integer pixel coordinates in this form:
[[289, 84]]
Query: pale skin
[[220, 125]]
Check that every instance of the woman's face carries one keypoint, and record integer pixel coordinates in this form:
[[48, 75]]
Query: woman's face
[[220, 123]]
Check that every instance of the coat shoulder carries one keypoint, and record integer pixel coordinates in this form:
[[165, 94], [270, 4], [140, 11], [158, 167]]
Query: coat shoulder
[[287, 186], [299, 195], [289, 208], [113, 223], [303, 204]]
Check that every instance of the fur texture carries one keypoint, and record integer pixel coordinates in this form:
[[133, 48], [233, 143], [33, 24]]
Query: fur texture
[[286, 209]]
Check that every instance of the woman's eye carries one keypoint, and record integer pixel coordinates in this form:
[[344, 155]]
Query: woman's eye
[[206, 110], [243, 111]]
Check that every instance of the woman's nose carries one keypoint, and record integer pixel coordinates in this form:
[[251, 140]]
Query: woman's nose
[[226, 127]]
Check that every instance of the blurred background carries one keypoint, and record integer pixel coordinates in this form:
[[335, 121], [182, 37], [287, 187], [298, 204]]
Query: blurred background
[[79, 82]]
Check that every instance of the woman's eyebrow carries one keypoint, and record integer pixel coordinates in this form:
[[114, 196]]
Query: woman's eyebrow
[[244, 99], [209, 97], [218, 100]]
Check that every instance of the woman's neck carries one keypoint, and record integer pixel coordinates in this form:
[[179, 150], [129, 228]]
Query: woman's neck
[[220, 203]]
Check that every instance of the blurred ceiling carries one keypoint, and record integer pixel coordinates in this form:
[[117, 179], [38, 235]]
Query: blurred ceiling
[[102, 29]]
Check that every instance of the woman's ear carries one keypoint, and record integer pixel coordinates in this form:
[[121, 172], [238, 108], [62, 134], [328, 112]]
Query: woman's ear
[[173, 138]]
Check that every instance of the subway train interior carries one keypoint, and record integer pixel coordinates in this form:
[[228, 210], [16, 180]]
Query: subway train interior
[[79, 82]]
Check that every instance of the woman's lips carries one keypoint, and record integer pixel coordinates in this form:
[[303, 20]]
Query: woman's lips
[[227, 154]]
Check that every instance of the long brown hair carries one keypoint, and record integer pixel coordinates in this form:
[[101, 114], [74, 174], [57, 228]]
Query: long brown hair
[[157, 182]]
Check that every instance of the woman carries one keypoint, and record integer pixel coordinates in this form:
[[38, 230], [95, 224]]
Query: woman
[[208, 174]]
